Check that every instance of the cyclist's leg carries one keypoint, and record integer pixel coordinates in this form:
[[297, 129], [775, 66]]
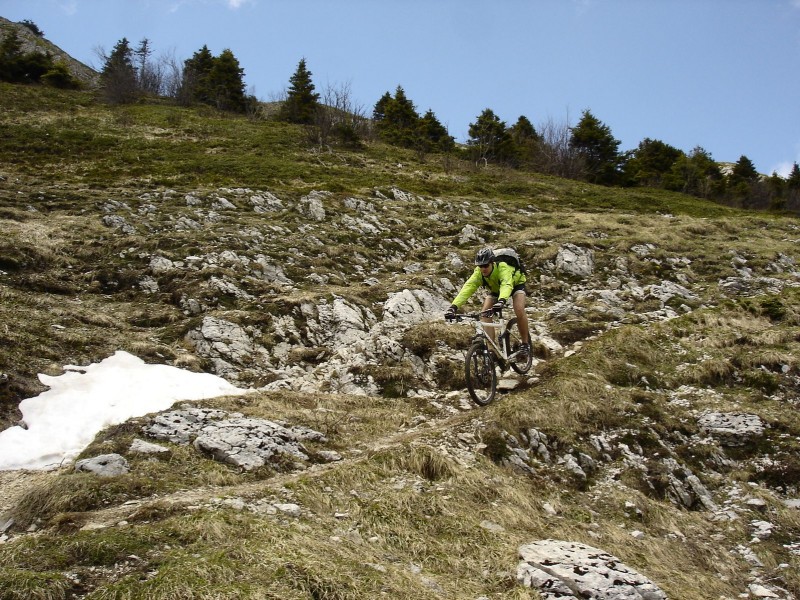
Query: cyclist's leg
[[488, 302], [518, 299]]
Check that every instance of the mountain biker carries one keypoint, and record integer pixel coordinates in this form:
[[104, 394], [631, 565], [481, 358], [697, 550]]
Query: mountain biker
[[504, 282]]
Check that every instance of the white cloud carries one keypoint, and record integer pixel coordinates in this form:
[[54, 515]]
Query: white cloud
[[583, 6], [69, 8], [783, 169], [177, 5]]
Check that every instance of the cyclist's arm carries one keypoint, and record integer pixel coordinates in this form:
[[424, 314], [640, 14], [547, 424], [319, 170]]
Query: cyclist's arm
[[505, 274], [470, 287]]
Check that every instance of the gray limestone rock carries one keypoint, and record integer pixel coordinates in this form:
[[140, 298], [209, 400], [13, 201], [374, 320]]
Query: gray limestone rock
[[575, 261], [732, 429], [571, 571], [232, 438], [104, 465]]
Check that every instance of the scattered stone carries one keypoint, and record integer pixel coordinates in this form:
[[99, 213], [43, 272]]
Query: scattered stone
[[732, 429], [762, 530], [291, 510], [142, 447], [493, 527], [759, 591], [104, 465]]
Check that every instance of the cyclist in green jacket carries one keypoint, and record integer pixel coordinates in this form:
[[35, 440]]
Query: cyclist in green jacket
[[504, 282]]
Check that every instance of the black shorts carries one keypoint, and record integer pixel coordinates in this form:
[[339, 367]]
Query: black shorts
[[514, 290]]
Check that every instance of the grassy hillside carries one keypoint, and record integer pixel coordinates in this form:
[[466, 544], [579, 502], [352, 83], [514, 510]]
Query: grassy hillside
[[427, 501]]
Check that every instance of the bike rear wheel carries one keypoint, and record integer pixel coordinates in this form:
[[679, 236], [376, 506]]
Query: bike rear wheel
[[481, 374], [513, 341]]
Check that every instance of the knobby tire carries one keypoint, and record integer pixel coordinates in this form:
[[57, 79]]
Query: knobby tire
[[513, 342], [480, 374]]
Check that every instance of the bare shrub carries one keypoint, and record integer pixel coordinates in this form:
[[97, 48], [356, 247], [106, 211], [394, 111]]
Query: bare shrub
[[339, 119], [554, 154]]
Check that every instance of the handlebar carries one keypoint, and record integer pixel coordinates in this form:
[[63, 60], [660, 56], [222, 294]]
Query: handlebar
[[475, 316]]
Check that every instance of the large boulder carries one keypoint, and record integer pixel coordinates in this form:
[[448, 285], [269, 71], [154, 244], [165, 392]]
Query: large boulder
[[575, 261], [105, 465], [572, 571]]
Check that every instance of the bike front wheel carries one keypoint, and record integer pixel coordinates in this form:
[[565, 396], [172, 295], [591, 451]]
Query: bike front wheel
[[481, 374], [520, 364]]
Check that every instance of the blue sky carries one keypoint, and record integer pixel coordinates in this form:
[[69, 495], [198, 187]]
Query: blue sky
[[721, 74]]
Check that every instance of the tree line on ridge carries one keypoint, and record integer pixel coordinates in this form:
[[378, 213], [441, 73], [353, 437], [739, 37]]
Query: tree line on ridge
[[586, 151]]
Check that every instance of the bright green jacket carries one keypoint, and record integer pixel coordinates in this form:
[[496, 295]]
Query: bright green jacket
[[500, 281]]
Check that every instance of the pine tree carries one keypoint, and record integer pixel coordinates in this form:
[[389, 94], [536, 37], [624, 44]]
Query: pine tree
[[488, 138], [433, 135], [379, 112], [522, 132], [32, 27], [743, 181], [226, 83], [397, 120], [19, 67], [118, 76], [593, 142], [195, 86], [793, 189], [697, 174], [302, 102], [793, 180], [744, 170], [526, 141], [650, 163]]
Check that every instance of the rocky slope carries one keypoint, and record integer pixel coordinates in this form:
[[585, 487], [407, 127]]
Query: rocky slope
[[34, 43], [651, 453]]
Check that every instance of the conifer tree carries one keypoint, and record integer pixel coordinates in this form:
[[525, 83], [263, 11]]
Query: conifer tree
[[525, 140], [379, 112], [118, 75], [10, 54], [195, 86], [697, 174], [793, 180], [593, 142], [744, 171], [226, 83], [743, 181], [146, 76], [396, 120], [433, 135], [302, 102], [488, 138], [214, 80], [792, 188], [650, 163]]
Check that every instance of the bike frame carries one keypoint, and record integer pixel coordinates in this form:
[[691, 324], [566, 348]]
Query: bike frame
[[484, 329]]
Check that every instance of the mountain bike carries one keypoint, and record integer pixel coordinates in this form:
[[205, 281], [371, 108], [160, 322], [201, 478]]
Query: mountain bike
[[496, 343]]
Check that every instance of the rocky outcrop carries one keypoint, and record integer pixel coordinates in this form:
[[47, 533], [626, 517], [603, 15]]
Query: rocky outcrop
[[575, 261], [571, 571], [732, 429], [234, 439]]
